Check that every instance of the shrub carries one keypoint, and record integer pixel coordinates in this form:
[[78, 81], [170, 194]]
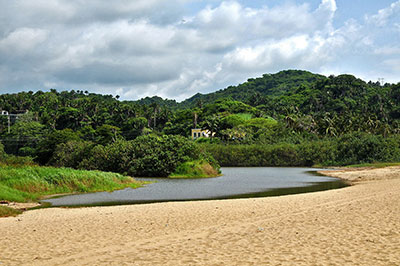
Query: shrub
[[147, 156], [72, 153], [349, 149], [159, 156], [18, 160], [47, 146], [317, 152], [116, 157], [358, 148]]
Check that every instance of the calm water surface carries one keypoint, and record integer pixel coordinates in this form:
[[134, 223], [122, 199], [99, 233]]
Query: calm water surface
[[237, 182]]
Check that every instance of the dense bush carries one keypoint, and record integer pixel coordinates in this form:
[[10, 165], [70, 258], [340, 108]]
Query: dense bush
[[72, 153], [254, 155], [366, 148], [18, 160], [47, 145], [116, 157], [317, 152], [349, 149], [23, 136], [159, 156], [147, 156], [6, 159]]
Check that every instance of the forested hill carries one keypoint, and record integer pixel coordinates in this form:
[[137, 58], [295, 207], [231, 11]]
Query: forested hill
[[255, 88], [300, 99], [288, 107], [156, 100]]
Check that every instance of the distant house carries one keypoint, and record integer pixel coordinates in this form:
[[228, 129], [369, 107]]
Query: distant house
[[15, 113], [12, 118], [198, 133]]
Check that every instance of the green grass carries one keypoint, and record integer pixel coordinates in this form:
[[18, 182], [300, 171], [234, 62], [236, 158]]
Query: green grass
[[195, 169], [373, 165], [7, 212], [30, 183], [245, 116]]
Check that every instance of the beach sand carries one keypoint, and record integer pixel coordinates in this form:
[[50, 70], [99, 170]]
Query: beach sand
[[356, 225]]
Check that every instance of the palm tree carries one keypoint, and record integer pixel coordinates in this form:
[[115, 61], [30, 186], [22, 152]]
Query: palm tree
[[212, 124], [154, 106]]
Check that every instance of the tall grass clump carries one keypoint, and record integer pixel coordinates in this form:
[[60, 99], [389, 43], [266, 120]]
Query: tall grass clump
[[29, 183], [195, 169]]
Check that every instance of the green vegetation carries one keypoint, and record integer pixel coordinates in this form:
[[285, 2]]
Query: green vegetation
[[146, 156], [255, 89], [7, 212], [346, 150], [30, 183], [289, 118], [195, 169]]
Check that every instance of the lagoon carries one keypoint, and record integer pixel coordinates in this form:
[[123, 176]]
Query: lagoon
[[236, 182]]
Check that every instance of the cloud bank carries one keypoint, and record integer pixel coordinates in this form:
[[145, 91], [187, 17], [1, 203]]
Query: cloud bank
[[154, 47]]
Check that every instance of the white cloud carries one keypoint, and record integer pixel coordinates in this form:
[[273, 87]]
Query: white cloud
[[266, 55], [22, 40], [155, 47], [384, 15], [80, 12], [326, 10]]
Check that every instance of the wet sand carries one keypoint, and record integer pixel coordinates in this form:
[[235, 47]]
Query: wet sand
[[356, 225]]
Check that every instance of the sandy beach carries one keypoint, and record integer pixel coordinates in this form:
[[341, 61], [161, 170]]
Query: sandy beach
[[356, 225]]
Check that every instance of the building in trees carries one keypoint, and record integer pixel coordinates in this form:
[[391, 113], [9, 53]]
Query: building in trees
[[198, 133]]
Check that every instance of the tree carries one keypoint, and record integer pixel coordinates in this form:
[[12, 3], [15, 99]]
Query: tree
[[106, 134], [212, 124], [24, 136], [134, 127], [48, 144], [155, 107]]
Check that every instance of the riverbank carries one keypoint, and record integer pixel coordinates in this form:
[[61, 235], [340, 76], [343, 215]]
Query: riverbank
[[28, 183], [364, 174], [357, 225]]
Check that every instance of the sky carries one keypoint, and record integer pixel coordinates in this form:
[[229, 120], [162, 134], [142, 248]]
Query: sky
[[177, 48]]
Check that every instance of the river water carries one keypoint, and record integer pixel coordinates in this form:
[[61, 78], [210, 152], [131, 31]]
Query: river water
[[236, 182]]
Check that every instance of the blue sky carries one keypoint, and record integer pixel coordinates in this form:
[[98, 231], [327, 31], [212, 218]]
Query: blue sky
[[177, 48], [347, 9]]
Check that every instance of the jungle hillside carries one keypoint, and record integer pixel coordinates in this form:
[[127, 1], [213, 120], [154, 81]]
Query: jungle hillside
[[290, 118]]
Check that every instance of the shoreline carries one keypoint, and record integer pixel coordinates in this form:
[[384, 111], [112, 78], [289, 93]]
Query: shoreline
[[359, 175], [356, 225]]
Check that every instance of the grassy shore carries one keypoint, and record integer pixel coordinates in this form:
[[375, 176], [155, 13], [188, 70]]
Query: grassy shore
[[30, 183], [195, 169]]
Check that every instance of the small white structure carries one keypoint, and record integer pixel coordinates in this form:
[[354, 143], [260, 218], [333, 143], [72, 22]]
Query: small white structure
[[199, 133]]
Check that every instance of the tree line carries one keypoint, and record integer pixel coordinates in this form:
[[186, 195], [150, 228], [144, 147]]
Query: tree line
[[290, 111]]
